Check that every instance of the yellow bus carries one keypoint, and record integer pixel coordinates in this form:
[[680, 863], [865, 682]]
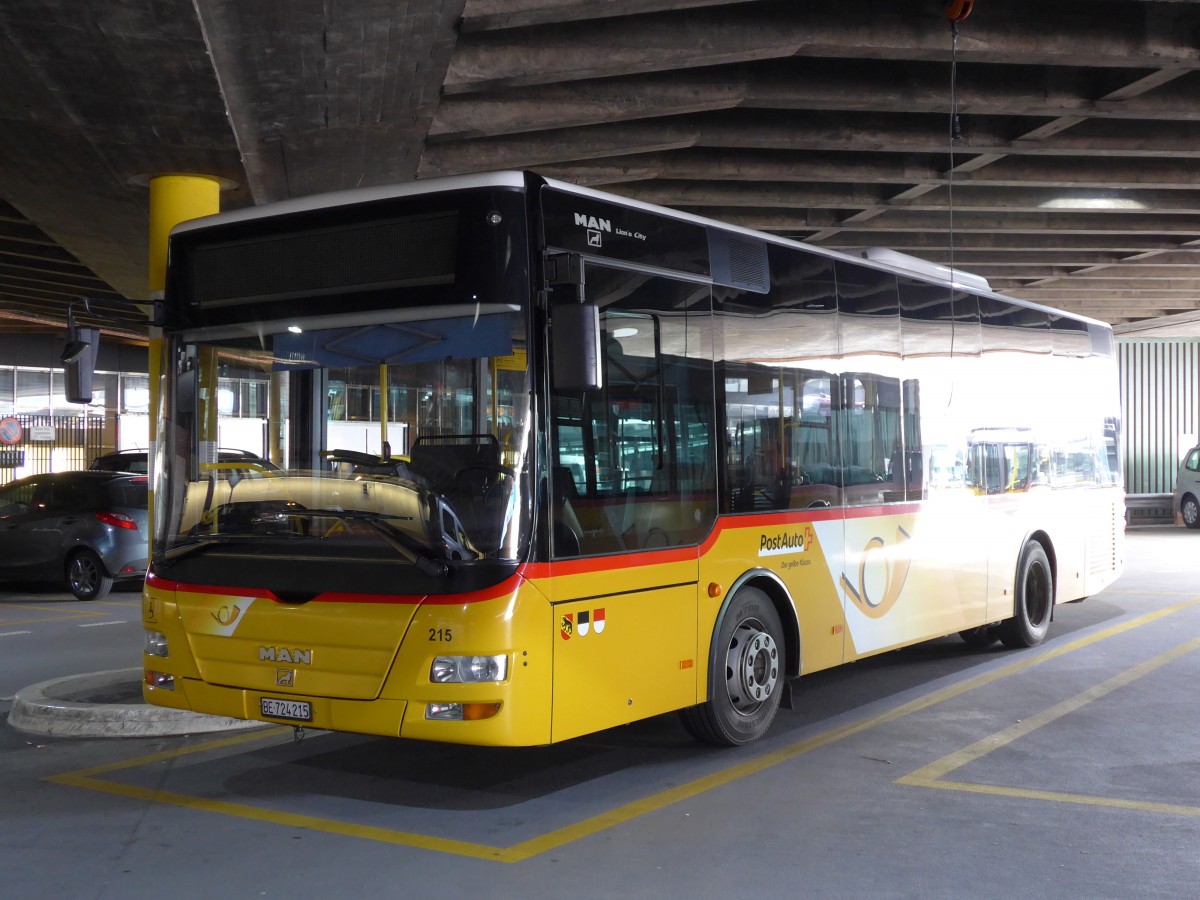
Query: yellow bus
[[552, 461]]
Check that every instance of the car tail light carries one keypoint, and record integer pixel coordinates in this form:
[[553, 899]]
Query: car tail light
[[117, 520]]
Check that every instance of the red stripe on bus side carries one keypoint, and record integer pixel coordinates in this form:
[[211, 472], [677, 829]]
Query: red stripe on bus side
[[504, 588], [584, 566], [799, 516], [744, 522]]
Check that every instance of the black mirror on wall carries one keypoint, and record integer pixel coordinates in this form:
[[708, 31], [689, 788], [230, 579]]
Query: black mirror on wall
[[79, 360]]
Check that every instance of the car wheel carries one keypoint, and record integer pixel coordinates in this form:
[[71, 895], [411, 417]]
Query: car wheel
[[1190, 510], [86, 576]]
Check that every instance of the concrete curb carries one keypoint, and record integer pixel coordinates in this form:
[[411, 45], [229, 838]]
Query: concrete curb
[[82, 706]]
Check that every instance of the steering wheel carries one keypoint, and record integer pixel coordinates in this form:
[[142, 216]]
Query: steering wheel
[[479, 481]]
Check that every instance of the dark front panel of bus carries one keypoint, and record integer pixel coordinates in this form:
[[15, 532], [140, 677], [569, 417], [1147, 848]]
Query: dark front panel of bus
[[583, 224], [462, 247]]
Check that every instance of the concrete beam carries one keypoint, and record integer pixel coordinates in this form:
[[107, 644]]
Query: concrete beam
[[1137, 36], [329, 96], [788, 166], [495, 15], [874, 86], [966, 198]]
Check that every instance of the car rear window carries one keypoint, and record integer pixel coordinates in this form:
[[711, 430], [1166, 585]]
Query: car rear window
[[121, 462], [132, 492]]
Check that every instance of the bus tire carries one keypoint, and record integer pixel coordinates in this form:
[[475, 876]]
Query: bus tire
[[979, 638], [747, 679], [1033, 600]]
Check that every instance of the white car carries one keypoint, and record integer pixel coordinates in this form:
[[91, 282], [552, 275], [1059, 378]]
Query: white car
[[1187, 489]]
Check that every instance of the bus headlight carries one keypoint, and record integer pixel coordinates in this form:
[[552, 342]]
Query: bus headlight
[[460, 712], [154, 643], [160, 680], [468, 669]]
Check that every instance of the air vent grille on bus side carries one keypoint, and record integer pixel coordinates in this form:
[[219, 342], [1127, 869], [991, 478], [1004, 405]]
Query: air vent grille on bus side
[[415, 250], [738, 261]]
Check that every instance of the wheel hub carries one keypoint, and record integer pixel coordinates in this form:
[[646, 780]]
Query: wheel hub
[[752, 667]]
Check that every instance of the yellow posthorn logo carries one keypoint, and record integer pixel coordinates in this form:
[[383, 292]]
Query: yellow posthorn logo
[[895, 562], [226, 615]]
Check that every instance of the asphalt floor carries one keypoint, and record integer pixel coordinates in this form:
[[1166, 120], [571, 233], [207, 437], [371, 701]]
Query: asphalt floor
[[1067, 770]]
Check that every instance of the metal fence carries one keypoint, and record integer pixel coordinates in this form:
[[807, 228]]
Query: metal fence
[[44, 443], [1160, 399]]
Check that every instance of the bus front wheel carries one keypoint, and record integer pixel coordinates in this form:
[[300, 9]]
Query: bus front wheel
[[1033, 601], [748, 674]]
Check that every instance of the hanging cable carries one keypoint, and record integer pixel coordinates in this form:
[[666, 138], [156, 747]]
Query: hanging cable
[[955, 127], [956, 11]]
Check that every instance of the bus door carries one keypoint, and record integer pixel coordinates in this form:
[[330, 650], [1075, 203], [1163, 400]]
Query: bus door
[[632, 488], [1003, 471]]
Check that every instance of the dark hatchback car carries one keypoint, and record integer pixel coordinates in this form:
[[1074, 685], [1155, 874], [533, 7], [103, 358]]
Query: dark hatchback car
[[138, 461], [89, 528]]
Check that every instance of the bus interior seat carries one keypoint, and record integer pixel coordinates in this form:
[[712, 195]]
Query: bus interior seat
[[438, 457], [567, 530]]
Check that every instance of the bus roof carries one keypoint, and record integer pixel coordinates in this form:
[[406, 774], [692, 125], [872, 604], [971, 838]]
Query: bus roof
[[878, 258], [349, 196]]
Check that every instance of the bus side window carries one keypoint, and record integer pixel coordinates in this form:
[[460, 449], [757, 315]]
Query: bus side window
[[638, 450]]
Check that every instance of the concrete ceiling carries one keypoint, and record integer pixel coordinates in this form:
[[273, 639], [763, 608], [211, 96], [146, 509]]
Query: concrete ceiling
[[1072, 178]]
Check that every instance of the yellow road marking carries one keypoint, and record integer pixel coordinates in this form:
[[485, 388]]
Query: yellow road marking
[[967, 787], [48, 615], [295, 820], [934, 774], [87, 778], [167, 755]]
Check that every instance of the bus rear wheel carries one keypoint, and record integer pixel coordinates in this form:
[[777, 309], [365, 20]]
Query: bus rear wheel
[[1033, 601], [748, 674]]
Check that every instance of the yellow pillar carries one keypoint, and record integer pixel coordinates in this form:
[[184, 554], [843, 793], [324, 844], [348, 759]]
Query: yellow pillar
[[278, 386], [173, 199], [385, 448]]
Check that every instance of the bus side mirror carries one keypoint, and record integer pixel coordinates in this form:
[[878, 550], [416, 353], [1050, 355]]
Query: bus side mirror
[[79, 363], [575, 347], [187, 383]]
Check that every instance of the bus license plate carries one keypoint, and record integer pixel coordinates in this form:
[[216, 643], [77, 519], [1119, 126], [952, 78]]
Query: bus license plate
[[297, 710]]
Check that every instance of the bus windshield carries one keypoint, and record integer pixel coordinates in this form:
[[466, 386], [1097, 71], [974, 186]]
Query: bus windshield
[[393, 450]]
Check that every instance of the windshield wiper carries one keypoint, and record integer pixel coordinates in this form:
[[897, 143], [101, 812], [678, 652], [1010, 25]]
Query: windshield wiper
[[179, 551], [334, 512], [408, 546]]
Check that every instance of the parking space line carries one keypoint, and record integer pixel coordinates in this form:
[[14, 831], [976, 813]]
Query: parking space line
[[65, 617], [88, 778], [44, 614], [180, 753], [934, 774], [967, 787], [294, 820]]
